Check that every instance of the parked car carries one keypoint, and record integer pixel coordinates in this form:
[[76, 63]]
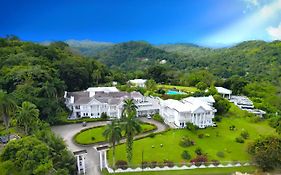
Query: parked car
[[148, 116], [84, 124], [4, 139]]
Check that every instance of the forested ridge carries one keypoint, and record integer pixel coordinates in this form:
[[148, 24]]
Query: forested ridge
[[251, 68]]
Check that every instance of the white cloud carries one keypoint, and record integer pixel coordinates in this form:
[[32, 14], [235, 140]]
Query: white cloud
[[253, 26], [274, 32], [253, 2]]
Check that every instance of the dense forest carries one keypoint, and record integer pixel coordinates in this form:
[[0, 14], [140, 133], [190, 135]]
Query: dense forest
[[251, 68]]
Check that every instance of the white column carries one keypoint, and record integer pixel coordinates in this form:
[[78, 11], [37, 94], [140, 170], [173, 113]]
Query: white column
[[78, 164], [100, 160], [105, 160], [204, 119], [83, 164]]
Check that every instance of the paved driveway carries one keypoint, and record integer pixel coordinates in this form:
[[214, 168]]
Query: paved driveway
[[92, 158]]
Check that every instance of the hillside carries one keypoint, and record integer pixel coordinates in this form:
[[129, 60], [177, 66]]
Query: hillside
[[88, 47], [185, 49], [134, 55]]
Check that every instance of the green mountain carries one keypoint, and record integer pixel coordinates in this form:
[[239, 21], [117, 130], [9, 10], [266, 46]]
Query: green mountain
[[88, 47], [253, 60], [134, 55]]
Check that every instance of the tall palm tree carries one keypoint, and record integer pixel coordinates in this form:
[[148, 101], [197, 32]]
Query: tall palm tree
[[132, 127], [96, 75], [113, 133], [7, 107], [129, 108], [27, 116]]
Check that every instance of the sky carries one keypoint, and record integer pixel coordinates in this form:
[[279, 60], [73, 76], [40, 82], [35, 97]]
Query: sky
[[204, 22]]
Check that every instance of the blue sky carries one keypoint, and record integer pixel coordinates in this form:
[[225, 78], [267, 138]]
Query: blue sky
[[205, 22]]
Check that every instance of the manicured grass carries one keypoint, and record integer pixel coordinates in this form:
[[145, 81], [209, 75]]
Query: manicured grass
[[206, 171], [220, 139], [85, 136], [181, 88]]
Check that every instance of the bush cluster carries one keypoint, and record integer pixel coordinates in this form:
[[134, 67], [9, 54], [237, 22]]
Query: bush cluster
[[185, 155], [158, 118], [220, 154], [121, 164], [199, 160], [239, 140], [186, 142], [245, 134]]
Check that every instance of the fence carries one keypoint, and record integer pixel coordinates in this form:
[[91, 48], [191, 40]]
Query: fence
[[185, 166]]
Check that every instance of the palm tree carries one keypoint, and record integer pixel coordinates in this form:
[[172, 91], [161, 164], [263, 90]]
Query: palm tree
[[131, 125], [27, 115], [96, 75], [113, 134], [7, 107], [129, 108]]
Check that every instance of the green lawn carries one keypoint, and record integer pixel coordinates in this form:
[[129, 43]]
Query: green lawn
[[85, 137], [206, 171], [181, 88], [220, 139]]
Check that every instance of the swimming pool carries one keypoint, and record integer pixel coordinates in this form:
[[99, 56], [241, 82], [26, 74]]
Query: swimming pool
[[171, 92]]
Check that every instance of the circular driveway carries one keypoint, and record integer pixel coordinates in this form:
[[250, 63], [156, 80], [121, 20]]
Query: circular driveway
[[92, 158]]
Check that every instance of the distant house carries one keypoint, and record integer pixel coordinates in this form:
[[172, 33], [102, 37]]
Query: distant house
[[97, 100], [246, 104], [138, 82], [163, 62], [196, 110], [226, 93]]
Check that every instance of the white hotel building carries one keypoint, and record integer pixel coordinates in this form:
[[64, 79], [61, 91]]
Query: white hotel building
[[197, 110], [97, 100]]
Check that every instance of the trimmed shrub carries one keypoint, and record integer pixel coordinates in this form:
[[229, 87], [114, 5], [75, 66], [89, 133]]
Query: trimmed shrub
[[217, 118], [245, 134], [215, 162], [201, 136], [239, 140], [232, 128], [186, 142], [199, 160], [121, 164], [198, 151], [144, 164], [185, 155], [153, 164], [220, 154], [93, 138], [104, 116], [189, 126], [158, 118], [152, 135], [168, 163]]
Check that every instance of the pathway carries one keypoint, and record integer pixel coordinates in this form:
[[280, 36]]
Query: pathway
[[92, 159]]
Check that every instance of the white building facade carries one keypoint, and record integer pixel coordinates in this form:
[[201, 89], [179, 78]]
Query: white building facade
[[138, 82], [198, 111], [109, 100], [226, 93]]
